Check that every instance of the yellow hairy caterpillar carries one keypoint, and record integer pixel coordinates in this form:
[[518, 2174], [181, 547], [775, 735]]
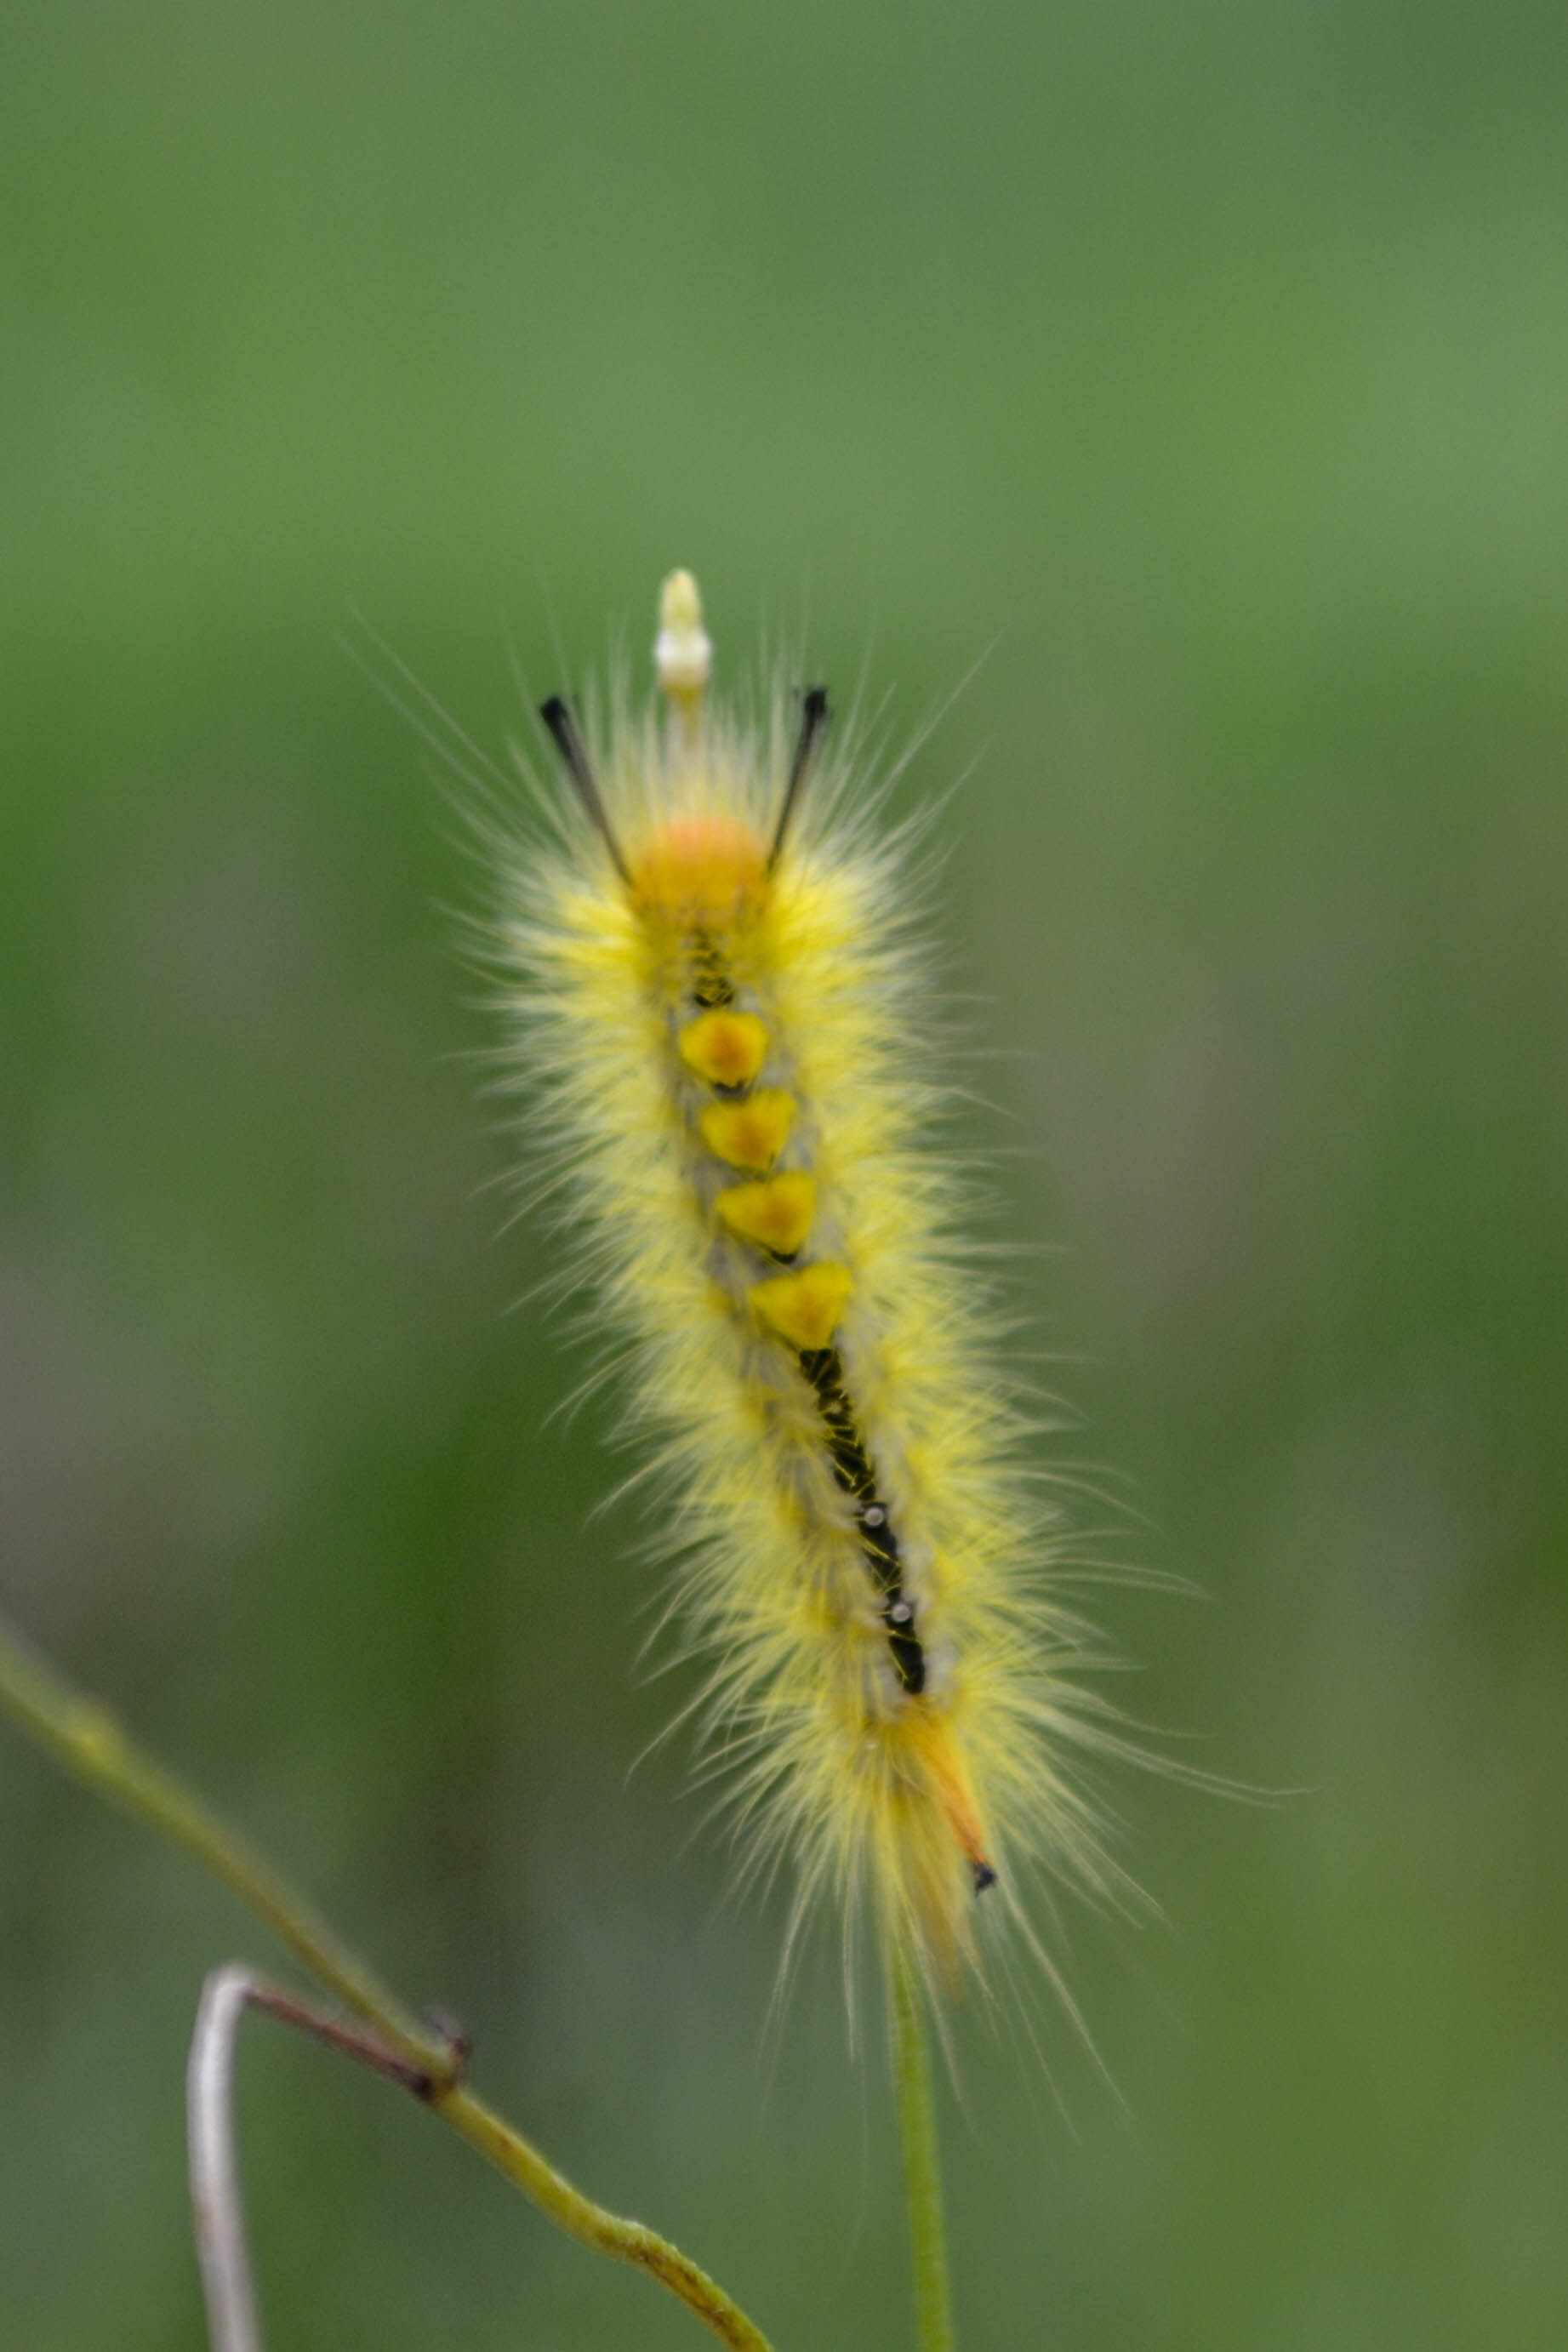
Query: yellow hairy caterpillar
[[723, 1028]]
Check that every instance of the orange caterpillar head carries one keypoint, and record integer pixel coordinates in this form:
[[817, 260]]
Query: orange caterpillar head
[[699, 869], [691, 871]]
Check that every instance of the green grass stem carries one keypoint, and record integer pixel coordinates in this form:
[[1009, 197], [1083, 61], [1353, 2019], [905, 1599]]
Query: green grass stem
[[91, 1744], [921, 2165]]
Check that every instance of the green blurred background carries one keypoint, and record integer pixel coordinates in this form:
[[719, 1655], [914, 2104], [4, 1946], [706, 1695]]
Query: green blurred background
[[1203, 365]]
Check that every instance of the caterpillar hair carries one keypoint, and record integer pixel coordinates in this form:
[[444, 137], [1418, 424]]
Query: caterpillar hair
[[721, 1021]]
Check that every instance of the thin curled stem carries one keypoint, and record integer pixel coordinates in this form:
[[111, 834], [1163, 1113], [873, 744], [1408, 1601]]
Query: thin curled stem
[[90, 1743], [222, 2253], [218, 2208], [921, 2165]]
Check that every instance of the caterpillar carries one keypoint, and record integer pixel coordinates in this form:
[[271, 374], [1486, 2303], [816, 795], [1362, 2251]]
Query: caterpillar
[[720, 1016]]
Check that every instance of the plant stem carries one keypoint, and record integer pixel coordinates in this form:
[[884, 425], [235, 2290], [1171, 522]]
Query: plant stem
[[86, 1738], [921, 2166], [88, 1741]]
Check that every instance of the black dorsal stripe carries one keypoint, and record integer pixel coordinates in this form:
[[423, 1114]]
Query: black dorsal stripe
[[823, 1370], [854, 1477]]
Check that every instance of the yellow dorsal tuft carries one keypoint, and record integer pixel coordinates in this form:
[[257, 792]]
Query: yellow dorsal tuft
[[727, 1049], [776, 1215], [749, 1134], [804, 1307]]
